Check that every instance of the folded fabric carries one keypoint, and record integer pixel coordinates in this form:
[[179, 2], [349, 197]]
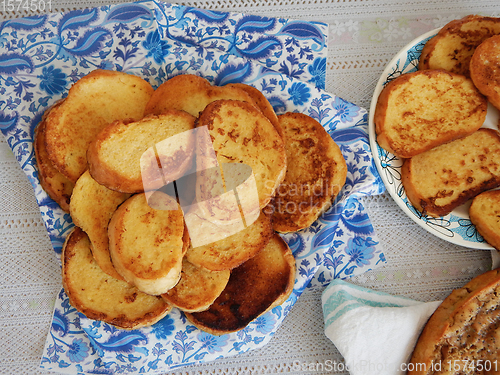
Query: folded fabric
[[495, 259], [375, 332]]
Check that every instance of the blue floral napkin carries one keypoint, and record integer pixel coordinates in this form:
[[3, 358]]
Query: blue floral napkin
[[40, 57]]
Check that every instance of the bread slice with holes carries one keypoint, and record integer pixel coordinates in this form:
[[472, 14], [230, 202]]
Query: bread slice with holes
[[125, 156], [441, 179], [421, 110], [91, 207], [484, 213], [315, 174], [93, 102], [100, 296], [255, 287], [146, 244], [453, 46]]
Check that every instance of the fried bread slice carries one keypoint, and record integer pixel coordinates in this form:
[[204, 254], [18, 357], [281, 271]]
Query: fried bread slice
[[421, 110], [91, 207], [55, 184], [485, 69], [255, 287], [100, 296], [315, 174], [229, 252], [439, 180], [146, 244], [462, 330], [197, 289], [484, 213], [452, 48], [93, 102], [190, 93], [125, 156]]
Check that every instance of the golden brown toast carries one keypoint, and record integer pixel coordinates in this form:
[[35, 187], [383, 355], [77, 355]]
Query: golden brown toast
[[421, 110], [190, 93], [255, 287], [452, 48], [146, 244], [55, 184], [315, 174], [485, 69], [229, 252], [484, 212], [124, 156], [100, 296], [197, 289], [91, 207], [462, 331], [93, 102], [439, 180]]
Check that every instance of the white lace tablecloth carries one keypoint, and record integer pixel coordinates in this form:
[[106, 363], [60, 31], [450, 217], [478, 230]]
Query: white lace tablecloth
[[363, 37]]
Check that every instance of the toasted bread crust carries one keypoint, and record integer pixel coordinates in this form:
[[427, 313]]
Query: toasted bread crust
[[100, 296], [254, 288], [484, 213], [452, 48], [485, 69], [462, 328], [315, 174], [421, 110], [441, 179]]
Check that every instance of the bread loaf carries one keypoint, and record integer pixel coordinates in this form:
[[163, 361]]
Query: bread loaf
[[484, 213]]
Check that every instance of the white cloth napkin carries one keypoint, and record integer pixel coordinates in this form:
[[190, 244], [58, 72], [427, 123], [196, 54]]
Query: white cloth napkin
[[375, 332]]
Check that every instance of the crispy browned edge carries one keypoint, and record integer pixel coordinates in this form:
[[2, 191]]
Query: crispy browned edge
[[123, 322], [439, 323], [381, 111], [428, 207], [491, 235], [288, 256]]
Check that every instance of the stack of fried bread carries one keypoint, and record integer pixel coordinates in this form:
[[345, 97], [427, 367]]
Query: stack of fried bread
[[433, 119], [172, 192]]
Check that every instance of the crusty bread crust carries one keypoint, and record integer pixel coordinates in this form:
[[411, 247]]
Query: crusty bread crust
[[421, 110], [441, 179], [485, 69], [254, 288], [452, 48], [100, 296], [484, 213], [463, 328], [316, 173]]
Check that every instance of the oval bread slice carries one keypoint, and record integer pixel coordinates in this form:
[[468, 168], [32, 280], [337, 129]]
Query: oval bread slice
[[441, 179], [100, 296], [93, 102], [485, 69], [484, 213], [315, 174], [421, 110], [255, 287], [146, 245]]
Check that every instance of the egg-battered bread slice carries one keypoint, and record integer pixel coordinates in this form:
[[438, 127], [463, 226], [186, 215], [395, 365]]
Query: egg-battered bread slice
[[93, 102], [91, 207], [197, 289], [146, 244], [100, 296], [484, 213], [125, 156], [462, 334], [485, 69], [55, 184], [255, 287], [452, 48], [315, 174], [231, 251], [421, 110], [190, 93], [439, 180]]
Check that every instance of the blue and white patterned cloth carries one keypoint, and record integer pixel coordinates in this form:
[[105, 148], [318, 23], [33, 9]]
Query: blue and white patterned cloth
[[42, 56]]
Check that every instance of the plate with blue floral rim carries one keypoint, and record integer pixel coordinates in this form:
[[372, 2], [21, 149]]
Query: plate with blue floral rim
[[455, 227]]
